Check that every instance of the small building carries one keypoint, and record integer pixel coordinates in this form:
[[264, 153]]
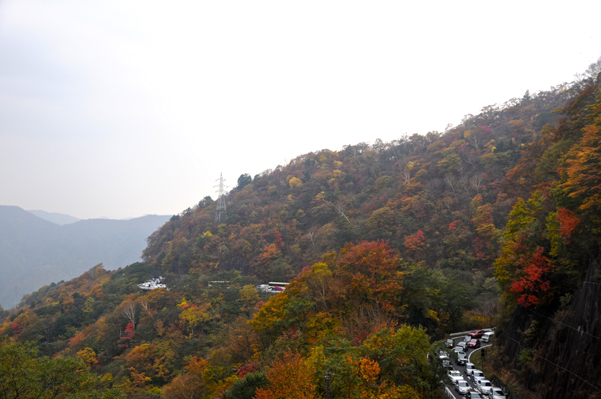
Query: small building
[[152, 284]]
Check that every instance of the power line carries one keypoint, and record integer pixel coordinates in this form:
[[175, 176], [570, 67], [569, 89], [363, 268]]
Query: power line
[[556, 365], [566, 325]]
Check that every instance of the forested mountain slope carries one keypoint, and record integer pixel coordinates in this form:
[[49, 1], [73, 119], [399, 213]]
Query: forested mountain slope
[[549, 263], [388, 247], [35, 252], [437, 198]]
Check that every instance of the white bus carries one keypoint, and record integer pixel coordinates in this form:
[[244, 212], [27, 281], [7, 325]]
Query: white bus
[[272, 287], [276, 284]]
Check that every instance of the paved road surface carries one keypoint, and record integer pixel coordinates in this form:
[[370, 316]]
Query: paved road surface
[[461, 368]]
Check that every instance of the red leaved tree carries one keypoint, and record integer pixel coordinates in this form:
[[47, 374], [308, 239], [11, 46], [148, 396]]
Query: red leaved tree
[[532, 288]]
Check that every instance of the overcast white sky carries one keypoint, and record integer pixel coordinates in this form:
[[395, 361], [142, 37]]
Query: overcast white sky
[[124, 108]]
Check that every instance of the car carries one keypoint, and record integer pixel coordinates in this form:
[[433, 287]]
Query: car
[[462, 387], [474, 343], [469, 368], [496, 393], [484, 386], [458, 349], [467, 339], [454, 376], [487, 336], [443, 355], [476, 333], [447, 364], [477, 375], [473, 395], [461, 358], [462, 344], [449, 343]]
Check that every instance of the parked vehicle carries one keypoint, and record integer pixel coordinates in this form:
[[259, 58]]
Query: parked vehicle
[[497, 393], [487, 336], [462, 387], [474, 343], [484, 386], [449, 343]]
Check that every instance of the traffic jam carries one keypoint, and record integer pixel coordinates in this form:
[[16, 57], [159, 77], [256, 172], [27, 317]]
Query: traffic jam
[[465, 380]]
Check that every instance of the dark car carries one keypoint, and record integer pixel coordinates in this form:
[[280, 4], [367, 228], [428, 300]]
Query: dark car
[[449, 343], [476, 334], [474, 343]]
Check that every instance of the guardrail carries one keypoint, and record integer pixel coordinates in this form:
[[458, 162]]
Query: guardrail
[[449, 393]]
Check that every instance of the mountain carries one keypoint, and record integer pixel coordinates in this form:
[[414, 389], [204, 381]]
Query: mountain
[[57, 218], [35, 252], [388, 248]]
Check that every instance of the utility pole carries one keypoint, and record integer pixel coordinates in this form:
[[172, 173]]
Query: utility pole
[[220, 210]]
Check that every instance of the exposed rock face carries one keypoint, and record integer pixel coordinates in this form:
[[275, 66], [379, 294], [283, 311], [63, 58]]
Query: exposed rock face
[[565, 349], [575, 345]]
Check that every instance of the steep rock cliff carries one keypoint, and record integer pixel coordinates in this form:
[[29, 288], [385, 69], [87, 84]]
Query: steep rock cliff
[[558, 356]]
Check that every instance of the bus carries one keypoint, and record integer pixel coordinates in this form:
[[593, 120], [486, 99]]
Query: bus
[[272, 287]]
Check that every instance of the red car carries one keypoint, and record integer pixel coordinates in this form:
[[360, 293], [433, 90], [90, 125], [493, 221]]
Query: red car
[[474, 343], [476, 334]]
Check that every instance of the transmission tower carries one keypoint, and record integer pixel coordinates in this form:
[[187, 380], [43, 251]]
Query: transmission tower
[[220, 211]]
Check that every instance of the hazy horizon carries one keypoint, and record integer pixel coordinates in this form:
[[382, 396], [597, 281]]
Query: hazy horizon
[[122, 109]]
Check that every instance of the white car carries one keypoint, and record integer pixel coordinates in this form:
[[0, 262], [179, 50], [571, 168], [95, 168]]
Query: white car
[[463, 387], [496, 393], [487, 336], [469, 368], [443, 355], [455, 376], [484, 386], [477, 375]]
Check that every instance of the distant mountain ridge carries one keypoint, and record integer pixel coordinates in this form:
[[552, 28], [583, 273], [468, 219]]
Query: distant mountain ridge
[[54, 217], [35, 252]]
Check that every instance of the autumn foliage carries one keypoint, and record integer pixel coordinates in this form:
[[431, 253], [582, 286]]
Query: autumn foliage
[[385, 246], [290, 377], [533, 288]]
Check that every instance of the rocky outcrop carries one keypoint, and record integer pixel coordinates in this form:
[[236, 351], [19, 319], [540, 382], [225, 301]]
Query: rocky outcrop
[[573, 346], [559, 356]]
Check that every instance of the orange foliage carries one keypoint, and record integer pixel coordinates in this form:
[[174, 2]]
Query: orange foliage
[[414, 242], [367, 272], [189, 385], [271, 252], [74, 342], [289, 378], [568, 221]]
